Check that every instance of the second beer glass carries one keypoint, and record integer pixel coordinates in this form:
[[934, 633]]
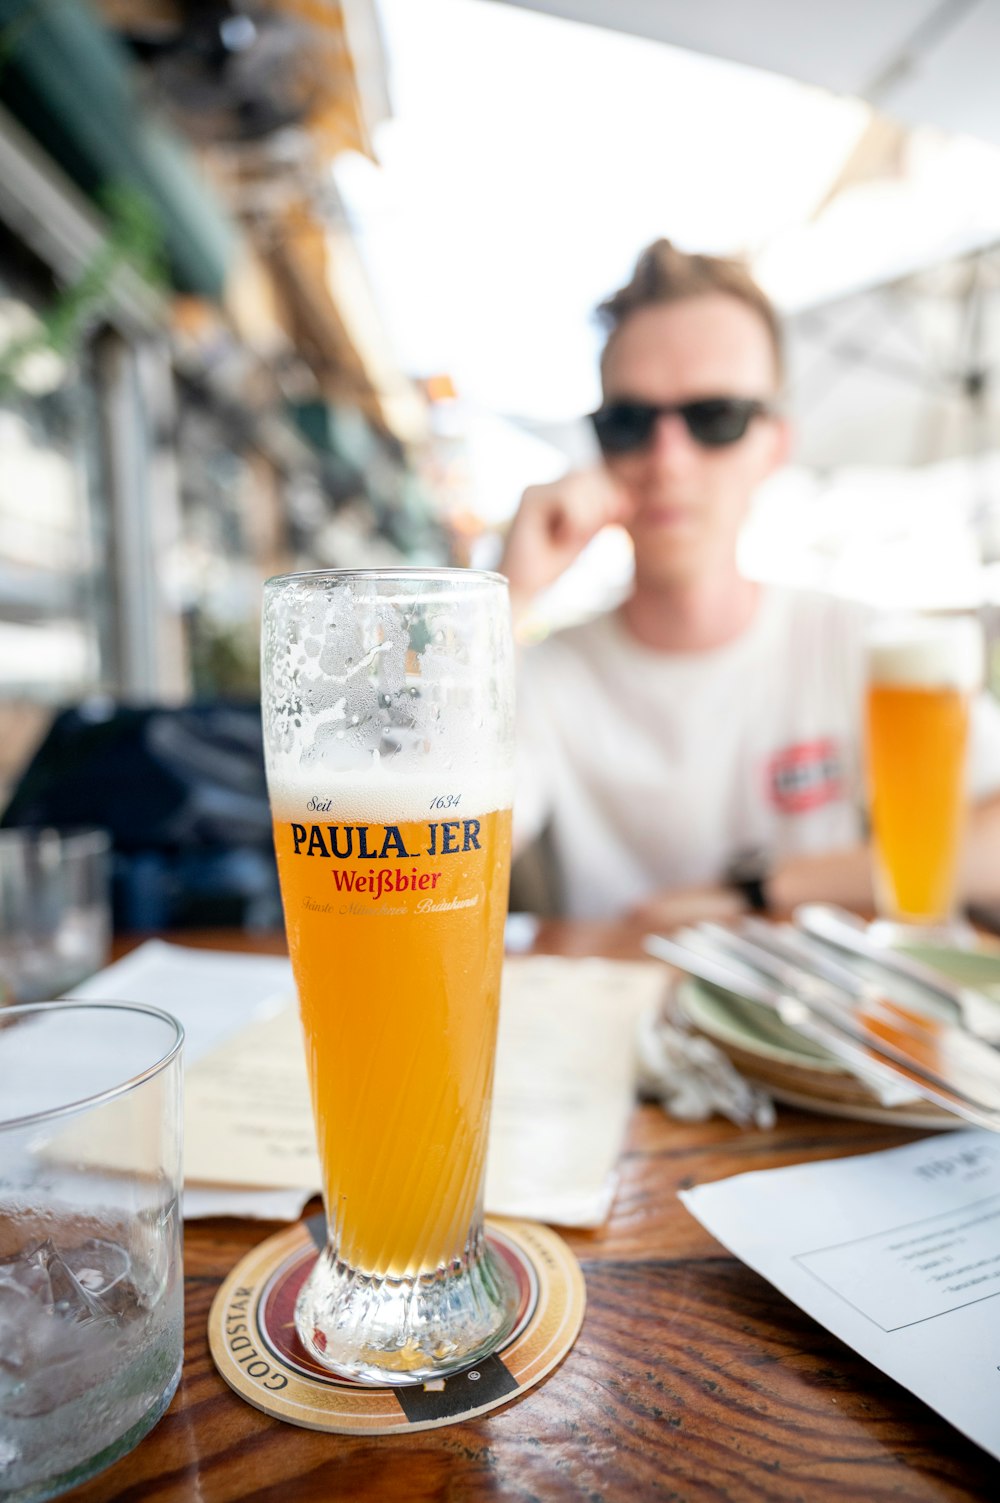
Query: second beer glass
[[922, 672], [388, 725]]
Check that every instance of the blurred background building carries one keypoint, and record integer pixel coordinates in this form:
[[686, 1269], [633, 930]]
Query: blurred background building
[[293, 283], [196, 390]]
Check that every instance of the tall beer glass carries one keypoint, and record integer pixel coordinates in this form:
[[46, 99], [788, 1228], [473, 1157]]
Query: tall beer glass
[[388, 732], [922, 672]]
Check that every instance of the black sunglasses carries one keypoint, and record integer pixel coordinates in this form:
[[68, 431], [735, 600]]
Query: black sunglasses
[[622, 427]]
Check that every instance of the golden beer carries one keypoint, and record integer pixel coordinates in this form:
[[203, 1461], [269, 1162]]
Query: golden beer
[[389, 736], [920, 681], [396, 938]]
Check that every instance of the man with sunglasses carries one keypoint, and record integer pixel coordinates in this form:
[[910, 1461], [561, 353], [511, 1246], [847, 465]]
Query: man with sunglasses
[[695, 752]]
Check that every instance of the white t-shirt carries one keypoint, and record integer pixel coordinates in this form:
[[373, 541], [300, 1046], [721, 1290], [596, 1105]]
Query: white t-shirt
[[655, 769]]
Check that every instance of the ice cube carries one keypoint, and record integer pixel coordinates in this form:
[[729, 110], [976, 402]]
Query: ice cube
[[15, 1331], [70, 1299], [54, 1333], [44, 1275], [101, 1269], [44, 1307], [27, 1274]]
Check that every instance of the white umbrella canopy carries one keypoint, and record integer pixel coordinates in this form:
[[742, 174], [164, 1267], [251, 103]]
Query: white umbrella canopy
[[918, 60], [907, 373]]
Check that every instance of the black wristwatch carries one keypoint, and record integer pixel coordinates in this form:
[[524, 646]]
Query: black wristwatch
[[748, 874]]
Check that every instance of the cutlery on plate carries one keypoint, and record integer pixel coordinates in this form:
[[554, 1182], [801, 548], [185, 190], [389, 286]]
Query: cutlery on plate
[[843, 929], [814, 957], [793, 961], [830, 1020]]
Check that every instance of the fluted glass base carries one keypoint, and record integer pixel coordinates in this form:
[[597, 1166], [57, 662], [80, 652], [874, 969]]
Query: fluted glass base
[[396, 1330], [951, 934]]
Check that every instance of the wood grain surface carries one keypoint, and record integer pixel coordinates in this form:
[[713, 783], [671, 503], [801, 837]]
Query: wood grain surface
[[691, 1379]]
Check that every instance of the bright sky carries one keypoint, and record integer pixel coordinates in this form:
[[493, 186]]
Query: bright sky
[[531, 158]]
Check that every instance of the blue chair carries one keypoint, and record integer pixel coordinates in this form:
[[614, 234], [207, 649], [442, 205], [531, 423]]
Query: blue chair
[[181, 790]]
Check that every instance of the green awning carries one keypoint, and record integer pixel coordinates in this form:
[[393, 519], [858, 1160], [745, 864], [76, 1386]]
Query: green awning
[[322, 427], [70, 85]]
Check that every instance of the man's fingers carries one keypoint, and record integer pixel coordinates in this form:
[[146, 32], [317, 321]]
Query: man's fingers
[[568, 528], [555, 522], [590, 501]]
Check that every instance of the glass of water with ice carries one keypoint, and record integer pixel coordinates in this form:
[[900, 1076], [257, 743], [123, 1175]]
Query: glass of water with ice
[[91, 1292]]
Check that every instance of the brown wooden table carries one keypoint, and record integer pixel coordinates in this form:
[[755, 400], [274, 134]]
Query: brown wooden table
[[691, 1379]]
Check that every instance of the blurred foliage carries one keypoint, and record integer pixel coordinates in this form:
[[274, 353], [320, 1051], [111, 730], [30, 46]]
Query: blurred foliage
[[225, 660], [134, 239]]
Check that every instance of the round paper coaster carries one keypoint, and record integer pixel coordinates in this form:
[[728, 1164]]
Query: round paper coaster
[[251, 1333]]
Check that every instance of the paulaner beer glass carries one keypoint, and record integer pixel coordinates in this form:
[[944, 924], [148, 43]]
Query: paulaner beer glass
[[922, 672], [388, 730]]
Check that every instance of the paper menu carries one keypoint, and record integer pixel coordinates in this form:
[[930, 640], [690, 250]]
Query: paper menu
[[247, 1117], [565, 1084], [214, 993], [897, 1253], [564, 1091]]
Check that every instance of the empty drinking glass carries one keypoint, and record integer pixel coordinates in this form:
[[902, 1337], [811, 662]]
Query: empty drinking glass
[[55, 910]]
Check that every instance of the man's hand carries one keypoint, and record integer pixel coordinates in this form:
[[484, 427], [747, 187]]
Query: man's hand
[[674, 907], [842, 877], [554, 523]]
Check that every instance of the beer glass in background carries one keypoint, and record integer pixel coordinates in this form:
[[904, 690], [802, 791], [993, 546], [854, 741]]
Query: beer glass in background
[[922, 673], [388, 731]]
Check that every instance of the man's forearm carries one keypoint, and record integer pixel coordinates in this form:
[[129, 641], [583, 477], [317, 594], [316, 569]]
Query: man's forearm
[[980, 872], [843, 877]]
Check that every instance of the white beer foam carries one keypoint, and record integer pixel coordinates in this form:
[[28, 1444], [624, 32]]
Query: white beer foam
[[941, 653], [389, 798]]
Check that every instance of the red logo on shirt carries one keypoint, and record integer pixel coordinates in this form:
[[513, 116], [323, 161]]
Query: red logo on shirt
[[805, 776]]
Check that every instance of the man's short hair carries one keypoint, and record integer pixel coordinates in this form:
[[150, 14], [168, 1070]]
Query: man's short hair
[[664, 274]]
